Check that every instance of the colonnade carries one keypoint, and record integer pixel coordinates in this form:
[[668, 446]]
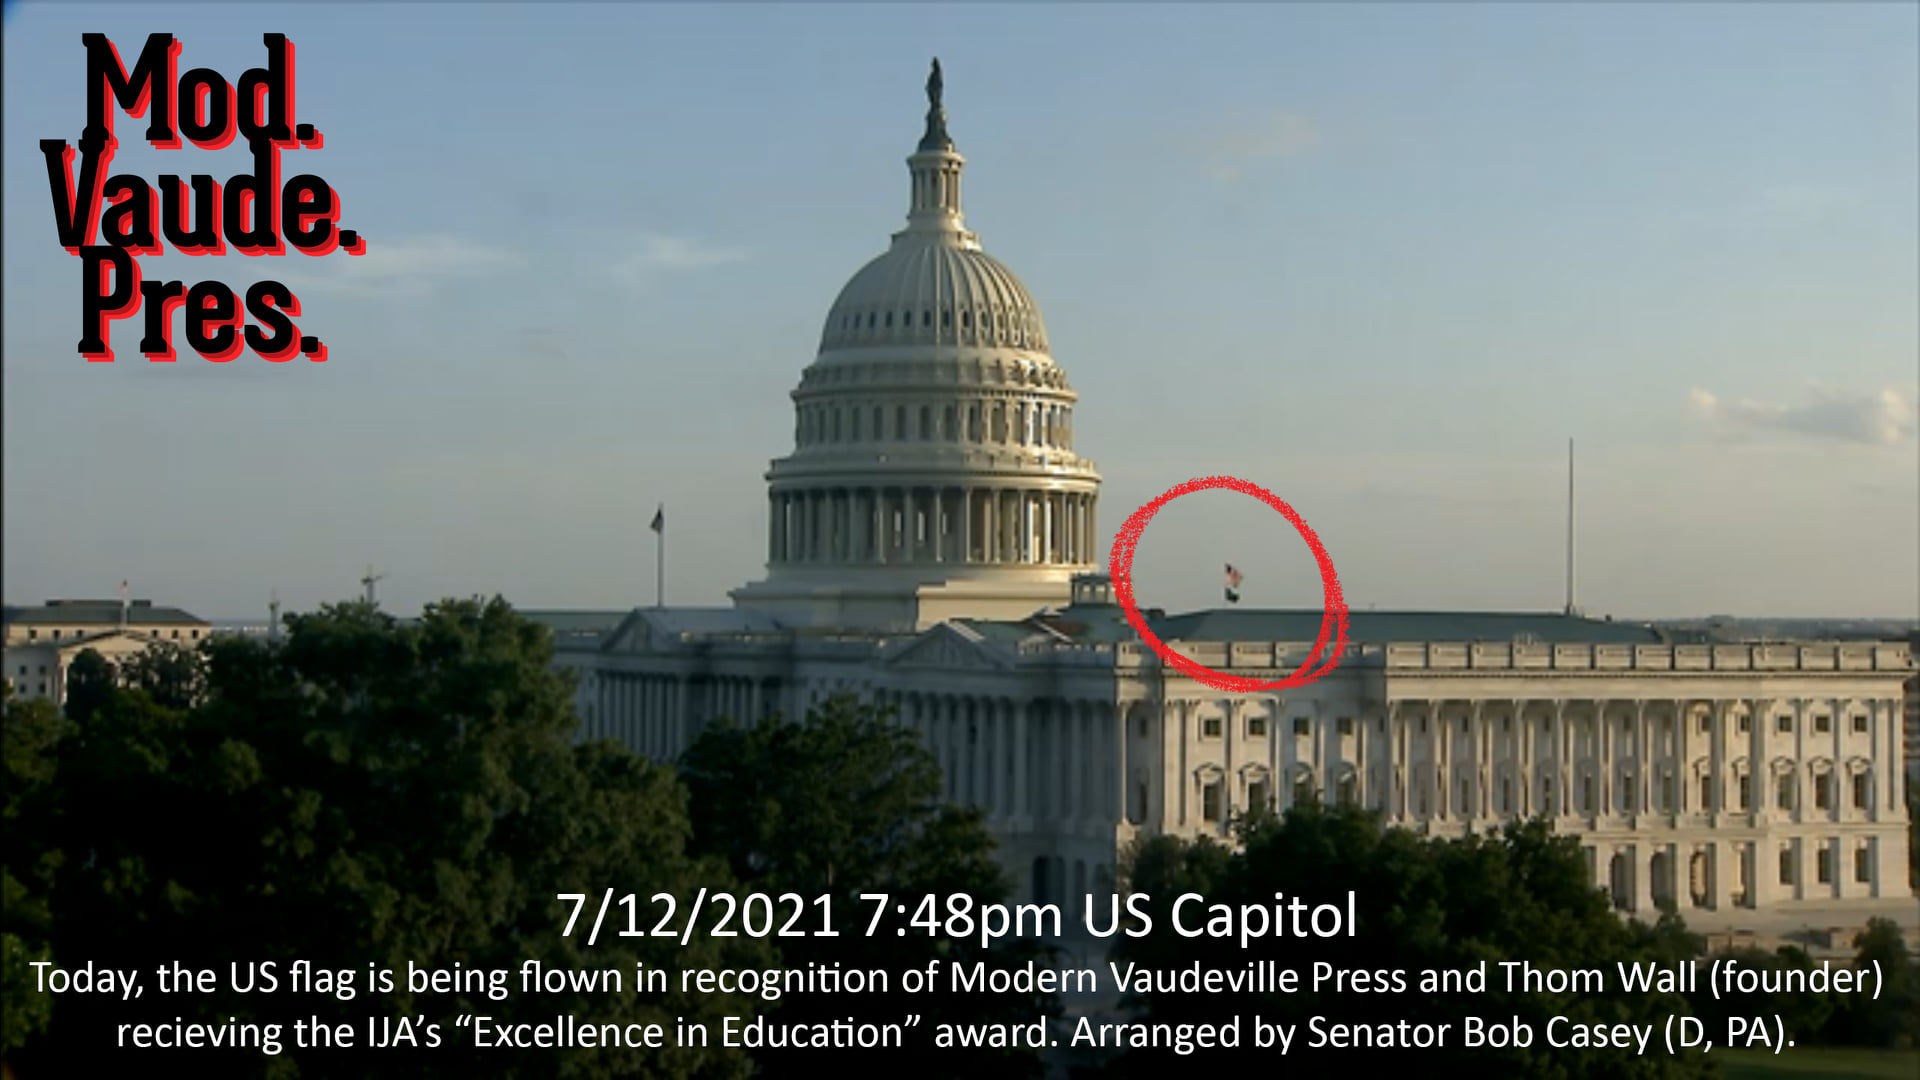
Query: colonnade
[[932, 524], [1052, 759], [1674, 776]]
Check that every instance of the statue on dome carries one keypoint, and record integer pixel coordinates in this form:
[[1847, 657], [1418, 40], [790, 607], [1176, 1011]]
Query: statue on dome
[[934, 85]]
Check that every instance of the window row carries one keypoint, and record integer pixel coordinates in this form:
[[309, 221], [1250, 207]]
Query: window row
[[75, 634], [1017, 423], [1823, 865], [1019, 327]]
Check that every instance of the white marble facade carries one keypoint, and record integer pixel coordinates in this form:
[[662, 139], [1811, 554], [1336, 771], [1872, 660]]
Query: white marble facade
[[1726, 778], [931, 545]]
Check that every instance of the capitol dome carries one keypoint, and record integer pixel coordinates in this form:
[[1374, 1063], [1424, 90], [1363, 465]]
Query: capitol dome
[[933, 473], [924, 292]]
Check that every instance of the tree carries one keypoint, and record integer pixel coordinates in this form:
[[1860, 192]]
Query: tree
[[33, 728], [1422, 906], [173, 676], [371, 796], [1891, 1017], [1806, 1017], [846, 803], [90, 683]]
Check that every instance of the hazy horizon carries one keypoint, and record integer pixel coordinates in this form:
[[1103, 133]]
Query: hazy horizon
[[1381, 260]]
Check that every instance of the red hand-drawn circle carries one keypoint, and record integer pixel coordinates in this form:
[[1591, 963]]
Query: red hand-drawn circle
[[1334, 621]]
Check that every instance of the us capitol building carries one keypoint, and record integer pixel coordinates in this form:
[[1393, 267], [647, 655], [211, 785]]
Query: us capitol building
[[932, 545]]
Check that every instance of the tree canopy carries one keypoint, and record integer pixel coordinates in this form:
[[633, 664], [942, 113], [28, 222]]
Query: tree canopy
[[847, 802], [363, 793], [1422, 905]]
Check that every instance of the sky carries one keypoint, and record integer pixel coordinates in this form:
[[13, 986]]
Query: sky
[[1383, 261]]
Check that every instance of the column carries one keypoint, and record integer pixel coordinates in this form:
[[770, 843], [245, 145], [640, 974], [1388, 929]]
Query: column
[[1477, 799], [1683, 801], [1023, 805], [966, 525], [1722, 873], [943, 498], [773, 527], [1076, 755], [989, 526], [1562, 780], [1523, 765], [1117, 725], [1642, 876]]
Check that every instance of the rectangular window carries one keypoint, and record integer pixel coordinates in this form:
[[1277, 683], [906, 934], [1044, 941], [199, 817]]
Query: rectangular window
[[1256, 727], [1862, 865], [1822, 797], [1210, 727], [1466, 801], [1860, 724], [1626, 794], [1861, 790], [1345, 724], [1300, 726], [1745, 726], [1822, 724], [1210, 802], [1669, 797], [1303, 792], [1706, 723], [1823, 865], [1786, 866], [1746, 792], [1784, 725], [1706, 794], [1783, 793], [1349, 791]]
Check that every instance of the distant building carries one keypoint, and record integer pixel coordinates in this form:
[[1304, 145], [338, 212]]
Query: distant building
[[42, 641], [932, 548]]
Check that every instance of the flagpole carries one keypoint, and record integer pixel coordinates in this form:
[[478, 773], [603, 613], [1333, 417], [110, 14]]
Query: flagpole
[[660, 558]]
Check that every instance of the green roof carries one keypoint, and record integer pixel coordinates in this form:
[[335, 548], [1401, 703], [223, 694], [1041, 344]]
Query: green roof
[[1380, 627], [104, 613], [577, 622], [1106, 623]]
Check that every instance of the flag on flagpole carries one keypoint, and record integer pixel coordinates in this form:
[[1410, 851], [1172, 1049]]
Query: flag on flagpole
[[123, 603], [659, 519], [1233, 585]]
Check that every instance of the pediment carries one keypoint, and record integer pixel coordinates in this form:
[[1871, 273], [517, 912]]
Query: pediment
[[633, 635], [948, 647]]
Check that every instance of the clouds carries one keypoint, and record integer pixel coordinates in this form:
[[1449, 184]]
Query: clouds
[[1882, 418], [1230, 149], [404, 267], [655, 255]]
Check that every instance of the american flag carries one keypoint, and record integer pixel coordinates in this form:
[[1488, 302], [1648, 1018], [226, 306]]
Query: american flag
[[1233, 585]]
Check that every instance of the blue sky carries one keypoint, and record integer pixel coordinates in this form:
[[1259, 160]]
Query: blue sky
[[1382, 260]]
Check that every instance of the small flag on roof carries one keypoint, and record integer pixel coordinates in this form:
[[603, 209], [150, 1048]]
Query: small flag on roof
[[1233, 585], [659, 518]]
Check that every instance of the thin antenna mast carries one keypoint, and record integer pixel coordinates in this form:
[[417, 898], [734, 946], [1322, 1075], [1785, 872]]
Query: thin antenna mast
[[1570, 608], [273, 616]]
